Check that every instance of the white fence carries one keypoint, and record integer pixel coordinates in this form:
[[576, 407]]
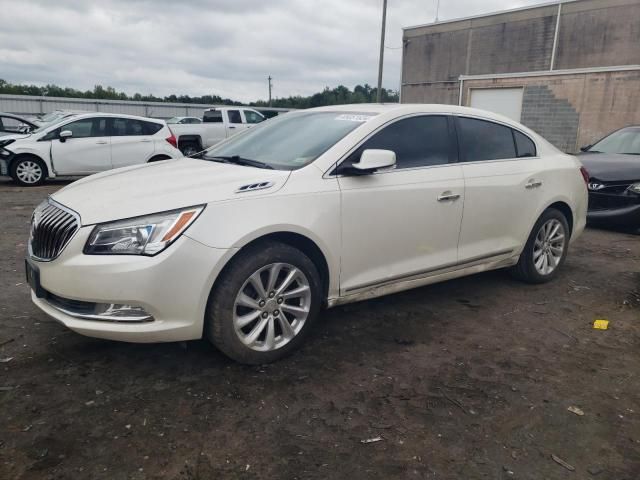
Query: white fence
[[27, 105]]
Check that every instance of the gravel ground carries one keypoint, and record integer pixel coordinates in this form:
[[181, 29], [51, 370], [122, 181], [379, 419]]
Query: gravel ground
[[466, 379]]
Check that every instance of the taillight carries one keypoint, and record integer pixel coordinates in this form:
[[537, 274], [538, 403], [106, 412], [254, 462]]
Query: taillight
[[585, 174], [172, 140]]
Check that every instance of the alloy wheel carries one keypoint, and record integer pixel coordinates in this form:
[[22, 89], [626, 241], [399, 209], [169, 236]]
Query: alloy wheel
[[549, 246], [29, 172], [272, 307]]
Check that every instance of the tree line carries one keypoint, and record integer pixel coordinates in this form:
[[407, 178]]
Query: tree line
[[329, 96]]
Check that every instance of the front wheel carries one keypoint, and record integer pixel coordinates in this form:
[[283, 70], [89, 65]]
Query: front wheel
[[264, 304], [545, 250], [28, 171]]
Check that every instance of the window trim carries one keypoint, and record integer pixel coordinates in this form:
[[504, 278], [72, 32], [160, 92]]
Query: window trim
[[453, 148], [458, 116]]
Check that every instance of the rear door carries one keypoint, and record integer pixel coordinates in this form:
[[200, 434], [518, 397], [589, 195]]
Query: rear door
[[131, 143], [503, 188], [86, 151], [402, 223]]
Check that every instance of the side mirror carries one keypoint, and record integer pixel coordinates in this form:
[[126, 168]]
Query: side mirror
[[373, 159], [585, 148], [64, 135]]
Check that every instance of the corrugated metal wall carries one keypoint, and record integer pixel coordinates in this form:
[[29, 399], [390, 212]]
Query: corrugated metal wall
[[31, 105]]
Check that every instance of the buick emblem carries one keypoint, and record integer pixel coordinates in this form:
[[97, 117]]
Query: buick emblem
[[596, 186]]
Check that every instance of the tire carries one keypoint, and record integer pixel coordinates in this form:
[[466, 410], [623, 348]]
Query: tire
[[228, 310], [158, 158], [190, 148], [28, 171], [543, 242]]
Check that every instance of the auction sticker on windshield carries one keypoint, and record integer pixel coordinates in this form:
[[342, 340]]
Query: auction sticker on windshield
[[354, 118]]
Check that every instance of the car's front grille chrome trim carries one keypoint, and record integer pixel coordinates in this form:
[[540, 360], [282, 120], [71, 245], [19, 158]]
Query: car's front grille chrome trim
[[52, 228]]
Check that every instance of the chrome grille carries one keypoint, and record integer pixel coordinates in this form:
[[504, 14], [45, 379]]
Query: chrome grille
[[52, 226]]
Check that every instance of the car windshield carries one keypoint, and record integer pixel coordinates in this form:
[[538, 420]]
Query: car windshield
[[290, 141], [625, 141], [174, 120]]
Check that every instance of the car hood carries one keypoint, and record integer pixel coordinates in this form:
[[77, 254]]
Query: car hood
[[611, 167], [14, 136], [161, 186]]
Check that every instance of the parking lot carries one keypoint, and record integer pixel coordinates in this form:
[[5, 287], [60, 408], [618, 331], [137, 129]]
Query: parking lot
[[470, 378]]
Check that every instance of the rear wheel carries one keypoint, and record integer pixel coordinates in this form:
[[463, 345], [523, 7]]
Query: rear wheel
[[546, 249], [28, 171], [264, 304], [190, 148]]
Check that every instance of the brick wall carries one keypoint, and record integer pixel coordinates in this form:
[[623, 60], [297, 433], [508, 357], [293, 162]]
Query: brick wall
[[573, 110]]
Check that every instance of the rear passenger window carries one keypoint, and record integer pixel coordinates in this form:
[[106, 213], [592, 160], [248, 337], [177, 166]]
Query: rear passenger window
[[127, 127], [416, 141], [524, 145], [483, 140]]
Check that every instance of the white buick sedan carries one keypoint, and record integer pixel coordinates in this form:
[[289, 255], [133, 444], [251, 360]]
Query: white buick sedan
[[312, 209]]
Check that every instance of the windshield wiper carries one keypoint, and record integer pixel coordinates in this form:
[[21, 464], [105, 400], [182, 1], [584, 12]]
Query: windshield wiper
[[238, 160]]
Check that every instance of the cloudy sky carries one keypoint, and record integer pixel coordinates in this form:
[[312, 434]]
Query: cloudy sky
[[223, 47]]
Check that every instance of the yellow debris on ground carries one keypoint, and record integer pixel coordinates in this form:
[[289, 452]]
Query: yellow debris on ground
[[601, 324]]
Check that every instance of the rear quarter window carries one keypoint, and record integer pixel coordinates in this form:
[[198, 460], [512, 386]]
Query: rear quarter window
[[151, 128], [524, 145]]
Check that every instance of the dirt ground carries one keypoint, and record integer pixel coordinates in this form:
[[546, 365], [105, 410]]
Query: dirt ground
[[467, 379]]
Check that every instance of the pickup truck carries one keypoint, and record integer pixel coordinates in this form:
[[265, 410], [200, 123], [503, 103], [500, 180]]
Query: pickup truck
[[217, 124]]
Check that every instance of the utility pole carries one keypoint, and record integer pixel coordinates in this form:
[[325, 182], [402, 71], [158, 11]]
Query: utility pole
[[384, 21], [269, 78], [437, 8]]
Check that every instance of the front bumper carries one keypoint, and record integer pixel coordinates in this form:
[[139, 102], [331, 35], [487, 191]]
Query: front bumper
[[173, 287], [613, 210]]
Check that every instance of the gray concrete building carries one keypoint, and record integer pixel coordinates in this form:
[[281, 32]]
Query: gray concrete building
[[569, 70]]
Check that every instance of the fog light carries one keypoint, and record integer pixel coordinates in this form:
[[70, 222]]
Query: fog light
[[116, 312]]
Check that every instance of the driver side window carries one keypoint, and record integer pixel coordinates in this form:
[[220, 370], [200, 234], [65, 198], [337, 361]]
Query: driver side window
[[420, 141]]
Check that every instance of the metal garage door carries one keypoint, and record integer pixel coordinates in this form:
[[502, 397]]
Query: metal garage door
[[505, 101]]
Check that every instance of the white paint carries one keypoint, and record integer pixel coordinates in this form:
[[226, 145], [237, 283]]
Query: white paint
[[505, 101]]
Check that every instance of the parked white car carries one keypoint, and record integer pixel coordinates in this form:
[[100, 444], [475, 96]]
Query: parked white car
[[85, 144], [217, 124], [315, 208], [183, 120]]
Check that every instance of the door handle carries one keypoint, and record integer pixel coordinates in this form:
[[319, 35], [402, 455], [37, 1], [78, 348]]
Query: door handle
[[101, 142], [533, 184], [146, 140], [445, 196], [231, 126]]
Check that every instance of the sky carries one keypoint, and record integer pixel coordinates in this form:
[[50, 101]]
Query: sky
[[217, 47]]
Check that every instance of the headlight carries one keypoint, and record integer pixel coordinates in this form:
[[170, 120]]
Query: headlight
[[635, 188], [146, 235]]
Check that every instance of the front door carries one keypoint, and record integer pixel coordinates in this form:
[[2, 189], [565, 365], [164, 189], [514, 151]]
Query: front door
[[86, 151], [403, 222]]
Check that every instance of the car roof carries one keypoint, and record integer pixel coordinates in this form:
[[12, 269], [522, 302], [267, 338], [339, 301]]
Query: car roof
[[115, 115], [400, 108]]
